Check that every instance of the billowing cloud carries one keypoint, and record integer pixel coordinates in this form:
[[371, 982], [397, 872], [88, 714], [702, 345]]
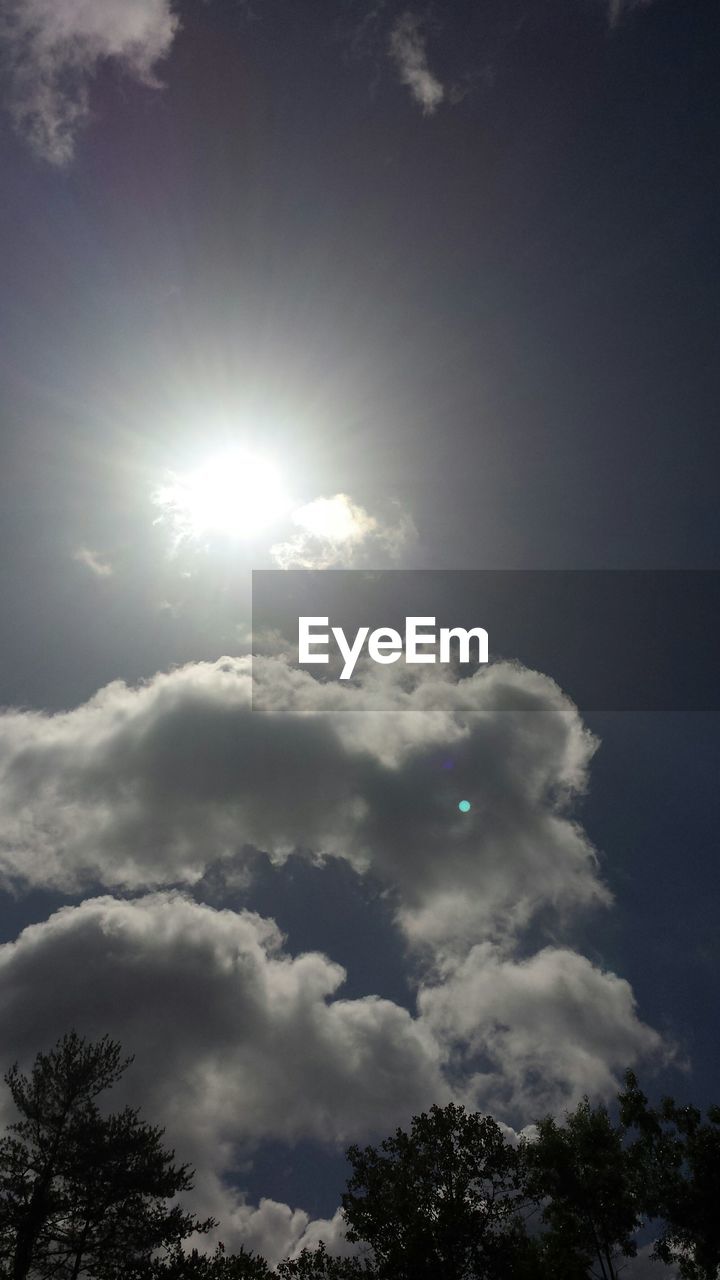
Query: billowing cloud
[[148, 786], [240, 1041], [338, 533], [237, 1040], [214, 996], [273, 1229], [408, 51], [539, 1033], [56, 46], [330, 1232]]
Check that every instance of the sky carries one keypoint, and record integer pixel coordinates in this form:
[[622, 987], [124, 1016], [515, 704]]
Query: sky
[[351, 284]]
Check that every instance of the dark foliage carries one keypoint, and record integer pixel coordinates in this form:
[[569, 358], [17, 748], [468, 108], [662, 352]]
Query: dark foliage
[[442, 1201], [87, 1195], [582, 1175], [178, 1264], [318, 1264], [677, 1162], [83, 1194]]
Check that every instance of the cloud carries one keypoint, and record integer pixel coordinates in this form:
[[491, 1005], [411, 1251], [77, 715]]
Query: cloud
[[408, 50], [214, 996], [338, 533], [152, 785], [148, 786], [237, 496], [55, 47], [237, 1040], [95, 561], [620, 9], [331, 1233], [534, 1035], [271, 1228]]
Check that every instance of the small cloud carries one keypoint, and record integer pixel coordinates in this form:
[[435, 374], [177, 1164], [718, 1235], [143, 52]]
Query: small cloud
[[408, 51], [55, 48], [95, 561], [619, 9], [338, 533], [336, 519]]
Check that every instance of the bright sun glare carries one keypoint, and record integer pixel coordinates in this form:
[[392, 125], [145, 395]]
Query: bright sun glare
[[233, 494]]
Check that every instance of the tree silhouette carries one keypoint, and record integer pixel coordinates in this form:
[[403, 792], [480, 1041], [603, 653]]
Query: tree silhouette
[[90, 1195], [583, 1175], [82, 1193], [318, 1264], [441, 1202], [179, 1265], [677, 1162]]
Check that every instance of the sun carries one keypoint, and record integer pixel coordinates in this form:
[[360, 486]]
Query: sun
[[233, 495]]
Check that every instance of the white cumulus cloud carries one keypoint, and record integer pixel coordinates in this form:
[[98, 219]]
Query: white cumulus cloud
[[536, 1034], [148, 786], [237, 1040]]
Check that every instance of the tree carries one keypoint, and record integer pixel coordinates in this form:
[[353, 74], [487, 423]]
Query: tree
[[440, 1202], [178, 1265], [318, 1264], [583, 1176], [677, 1161], [82, 1193]]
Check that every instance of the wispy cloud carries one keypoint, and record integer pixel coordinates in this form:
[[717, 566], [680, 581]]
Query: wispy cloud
[[619, 9], [95, 561], [338, 533], [408, 49], [56, 46]]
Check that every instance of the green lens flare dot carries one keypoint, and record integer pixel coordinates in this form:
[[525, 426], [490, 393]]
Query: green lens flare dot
[[464, 806]]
